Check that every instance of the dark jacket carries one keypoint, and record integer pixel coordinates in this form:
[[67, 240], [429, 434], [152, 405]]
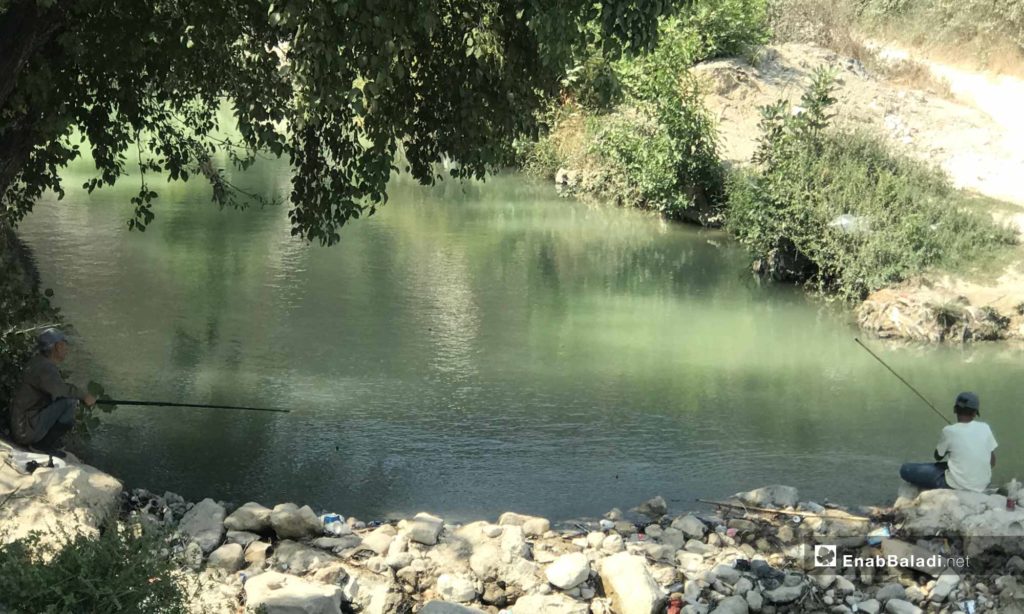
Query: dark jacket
[[41, 384]]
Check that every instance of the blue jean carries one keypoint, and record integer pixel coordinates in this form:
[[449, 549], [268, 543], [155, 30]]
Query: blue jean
[[925, 475], [53, 421]]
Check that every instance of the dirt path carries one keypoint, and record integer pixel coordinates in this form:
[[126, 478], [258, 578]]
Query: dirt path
[[975, 137], [972, 129]]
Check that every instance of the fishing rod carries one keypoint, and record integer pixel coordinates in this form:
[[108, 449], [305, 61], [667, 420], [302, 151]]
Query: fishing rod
[[197, 405], [905, 382]]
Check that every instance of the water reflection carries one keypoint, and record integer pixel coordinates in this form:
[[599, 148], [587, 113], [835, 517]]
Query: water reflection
[[474, 348]]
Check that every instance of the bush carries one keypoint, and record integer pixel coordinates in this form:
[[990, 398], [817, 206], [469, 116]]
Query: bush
[[661, 155], [840, 212], [124, 570], [705, 30], [594, 84]]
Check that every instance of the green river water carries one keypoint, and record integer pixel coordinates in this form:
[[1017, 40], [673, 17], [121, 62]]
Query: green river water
[[475, 348]]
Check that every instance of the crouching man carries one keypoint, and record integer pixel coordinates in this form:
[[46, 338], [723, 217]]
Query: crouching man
[[965, 453], [43, 406]]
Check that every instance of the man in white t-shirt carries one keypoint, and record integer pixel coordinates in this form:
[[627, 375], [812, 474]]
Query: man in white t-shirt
[[968, 448]]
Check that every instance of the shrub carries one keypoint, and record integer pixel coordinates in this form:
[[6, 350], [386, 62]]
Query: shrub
[[125, 570], [841, 212], [662, 155]]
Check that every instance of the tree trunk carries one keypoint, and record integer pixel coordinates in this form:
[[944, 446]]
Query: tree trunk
[[24, 29]]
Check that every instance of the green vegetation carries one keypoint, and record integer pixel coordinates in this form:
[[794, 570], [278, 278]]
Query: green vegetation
[[338, 88], [126, 569], [635, 131], [842, 213]]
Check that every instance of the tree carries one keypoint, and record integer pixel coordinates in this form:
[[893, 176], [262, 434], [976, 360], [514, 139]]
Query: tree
[[336, 86]]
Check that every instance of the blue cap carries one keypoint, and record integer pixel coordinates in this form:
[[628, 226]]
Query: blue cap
[[50, 337]]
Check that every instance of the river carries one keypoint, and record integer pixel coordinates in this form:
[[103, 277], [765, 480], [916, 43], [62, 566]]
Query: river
[[476, 348]]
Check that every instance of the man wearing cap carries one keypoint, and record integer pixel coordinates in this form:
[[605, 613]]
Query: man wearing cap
[[43, 406], [968, 448]]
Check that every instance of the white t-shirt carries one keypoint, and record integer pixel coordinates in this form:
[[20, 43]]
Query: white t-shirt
[[970, 446]]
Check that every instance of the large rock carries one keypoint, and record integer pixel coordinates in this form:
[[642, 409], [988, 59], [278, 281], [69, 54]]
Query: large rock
[[533, 526], [629, 584], [982, 520], [251, 517], [424, 529], [485, 561], [568, 570], [690, 525], [290, 521], [278, 593], [297, 558], [549, 604], [653, 508], [379, 540], [775, 495], [458, 588], [373, 593], [57, 503], [204, 524], [513, 543], [228, 557]]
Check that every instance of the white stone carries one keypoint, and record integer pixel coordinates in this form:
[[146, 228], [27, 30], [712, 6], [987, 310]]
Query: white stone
[[754, 600], [727, 574], [533, 526], [568, 570], [446, 607], [556, 603], [228, 557], [58, 503], [485, 561], [457, 588], [629, 584], [492, 531], [594, 539], [775, 495], [871, 606], [251, 517], [784, 594], [289, 521], [204, 524], [513, 543], [613, 543], [732, 605], [424, 529], [690, 525], [944, 585], [278, 593], [379, 540], [898, 606]]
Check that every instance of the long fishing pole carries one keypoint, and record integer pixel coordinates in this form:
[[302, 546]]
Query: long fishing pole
[[200, 406], [905, 382]]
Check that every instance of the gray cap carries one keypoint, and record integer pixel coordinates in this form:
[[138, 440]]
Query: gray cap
[[50, 337], [967, 400]]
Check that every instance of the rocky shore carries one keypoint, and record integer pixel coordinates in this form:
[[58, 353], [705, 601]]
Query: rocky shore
[[757, 552]]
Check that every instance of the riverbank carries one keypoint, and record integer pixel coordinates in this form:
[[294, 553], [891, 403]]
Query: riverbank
[[905, 189], [753, 553]]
